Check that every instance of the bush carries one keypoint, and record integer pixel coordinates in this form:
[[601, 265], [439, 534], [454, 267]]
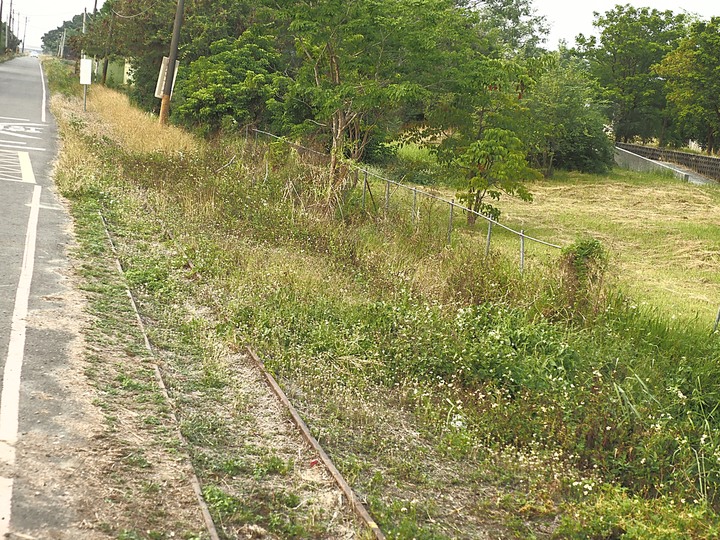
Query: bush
[[239, 83], [583, 267]]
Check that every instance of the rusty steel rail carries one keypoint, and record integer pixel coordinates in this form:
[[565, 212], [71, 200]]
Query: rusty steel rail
[[194, 481], [355, 503]]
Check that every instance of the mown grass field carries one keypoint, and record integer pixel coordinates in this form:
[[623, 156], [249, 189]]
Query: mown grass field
[[664, 236], [459, 398]]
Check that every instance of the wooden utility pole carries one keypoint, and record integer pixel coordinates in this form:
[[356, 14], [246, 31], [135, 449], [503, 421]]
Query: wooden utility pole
[[61, 50], [170, 75], [1, 25], [108, 43], [8, 26]]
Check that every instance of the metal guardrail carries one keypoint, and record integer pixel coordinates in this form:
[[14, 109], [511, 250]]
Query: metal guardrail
[[705, 165]]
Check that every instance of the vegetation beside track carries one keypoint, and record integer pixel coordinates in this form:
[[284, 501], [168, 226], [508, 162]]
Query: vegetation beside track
[[459, 398]]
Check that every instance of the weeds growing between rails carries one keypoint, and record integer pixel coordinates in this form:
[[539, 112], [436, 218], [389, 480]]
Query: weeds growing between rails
[[460, 399]]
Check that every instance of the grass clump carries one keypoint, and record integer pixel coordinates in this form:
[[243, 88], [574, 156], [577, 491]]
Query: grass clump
[[459, 397], [61, 77]]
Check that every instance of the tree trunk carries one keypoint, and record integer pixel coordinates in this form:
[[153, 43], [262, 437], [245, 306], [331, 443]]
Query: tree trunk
[[475, 206]]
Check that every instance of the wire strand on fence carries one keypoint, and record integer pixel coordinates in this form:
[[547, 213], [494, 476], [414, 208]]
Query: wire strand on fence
[[416, 191]]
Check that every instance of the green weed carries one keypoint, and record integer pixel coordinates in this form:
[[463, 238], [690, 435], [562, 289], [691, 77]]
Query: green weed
[[425, 369]]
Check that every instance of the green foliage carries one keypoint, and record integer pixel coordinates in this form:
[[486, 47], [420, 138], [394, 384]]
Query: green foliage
[[416, 165], [565, 126], [494, 164], [72, 29], [238, 84], [511, 27], [584, 264], [631, 41], [616, 514], [13, 41], [694, 83], [61, 78], [588, 258], [359, 64]]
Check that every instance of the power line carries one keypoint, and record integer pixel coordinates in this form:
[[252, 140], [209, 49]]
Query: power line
[[133, 16]]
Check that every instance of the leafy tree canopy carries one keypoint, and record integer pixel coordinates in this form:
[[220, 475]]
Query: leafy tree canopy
[[693, 80], [631, 41]]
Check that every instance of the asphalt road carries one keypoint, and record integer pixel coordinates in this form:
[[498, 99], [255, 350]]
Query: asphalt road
[[36, 336]]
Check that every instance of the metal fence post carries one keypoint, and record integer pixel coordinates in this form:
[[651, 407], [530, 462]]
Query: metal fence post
[[450, 221], [414, 210], [387, 197], [522, 251], [487, 244], [364, 193]]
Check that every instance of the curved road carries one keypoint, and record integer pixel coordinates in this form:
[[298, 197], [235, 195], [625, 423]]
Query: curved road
[[35, 334]]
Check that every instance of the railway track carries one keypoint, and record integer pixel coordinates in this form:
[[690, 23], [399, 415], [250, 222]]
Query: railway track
[[351, 499]]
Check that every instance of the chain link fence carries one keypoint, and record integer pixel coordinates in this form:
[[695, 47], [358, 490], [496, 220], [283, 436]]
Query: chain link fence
[[428, 211]]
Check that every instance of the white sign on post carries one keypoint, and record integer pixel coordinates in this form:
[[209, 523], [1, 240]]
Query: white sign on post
[[86, 65], [160, 87]]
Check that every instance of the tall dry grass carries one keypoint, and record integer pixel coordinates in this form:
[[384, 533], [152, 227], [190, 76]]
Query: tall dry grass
[[135, 130]]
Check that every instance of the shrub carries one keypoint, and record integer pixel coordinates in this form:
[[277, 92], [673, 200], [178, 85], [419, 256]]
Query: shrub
[[583, 267]]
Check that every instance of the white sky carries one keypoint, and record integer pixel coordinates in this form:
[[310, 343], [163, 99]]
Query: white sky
[[45, 15], [567, 19]]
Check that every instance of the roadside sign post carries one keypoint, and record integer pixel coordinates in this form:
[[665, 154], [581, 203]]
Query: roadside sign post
[[169, 81], [85, 78], [85, 67], [160, 86]]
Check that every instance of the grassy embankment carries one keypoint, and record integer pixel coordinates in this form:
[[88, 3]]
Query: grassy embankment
[[461, 399]]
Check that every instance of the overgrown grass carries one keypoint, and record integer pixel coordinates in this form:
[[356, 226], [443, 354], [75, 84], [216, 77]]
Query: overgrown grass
[[61, 79], [460, 398], [662, 234]]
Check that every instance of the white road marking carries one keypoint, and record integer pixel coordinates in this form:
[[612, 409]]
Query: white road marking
[[10, 166], [20, 146], [10, 399], [24, 130], [16, 119], [28, 176], [44, 98]]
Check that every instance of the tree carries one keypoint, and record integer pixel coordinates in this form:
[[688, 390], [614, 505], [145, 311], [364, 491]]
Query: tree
[[239, 83], [693, 80], [352, 62], [472, 118], [565, 126], [494, 164], [73, 31], [631, 41], [510, 27]]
